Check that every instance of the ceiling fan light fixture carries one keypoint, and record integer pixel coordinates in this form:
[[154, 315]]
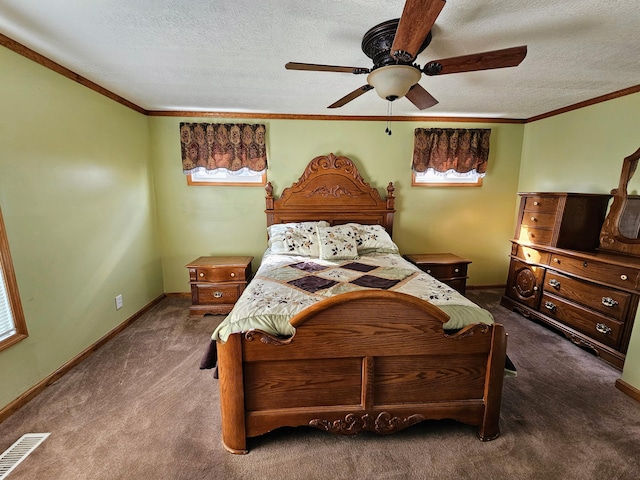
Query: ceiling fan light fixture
[[393, 81]]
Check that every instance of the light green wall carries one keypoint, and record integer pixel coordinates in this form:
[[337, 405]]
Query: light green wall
[[473, 222], [78, 204], [582, 151]]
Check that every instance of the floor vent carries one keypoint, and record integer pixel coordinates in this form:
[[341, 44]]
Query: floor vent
[[17, 452]]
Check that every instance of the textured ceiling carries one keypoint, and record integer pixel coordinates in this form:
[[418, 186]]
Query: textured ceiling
[[229, 56]]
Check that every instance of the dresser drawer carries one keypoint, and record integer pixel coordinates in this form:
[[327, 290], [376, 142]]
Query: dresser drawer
[[611, 302], [530, 255], [219, 274], [540, 220], [538, 236], [625, 277], [598, 327], [210, 294], [541, 204]]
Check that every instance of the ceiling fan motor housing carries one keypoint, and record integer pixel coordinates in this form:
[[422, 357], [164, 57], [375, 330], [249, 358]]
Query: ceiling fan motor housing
[[376, 44]]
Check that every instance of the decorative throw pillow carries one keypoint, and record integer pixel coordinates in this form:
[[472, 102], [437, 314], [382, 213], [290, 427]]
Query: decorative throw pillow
[[299, 238], [337, 243], [372, 238]]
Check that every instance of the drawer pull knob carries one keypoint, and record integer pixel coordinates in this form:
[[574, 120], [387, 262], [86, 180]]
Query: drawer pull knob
[[233, 274], [533, 219], [585, 264], [536, 203], [217, 294], [602, 328], [428, 271], [535, 289], [623, 277], [555, 260], [202, 274], [550, 306], [609, 302], [457, 270], [555, 283]]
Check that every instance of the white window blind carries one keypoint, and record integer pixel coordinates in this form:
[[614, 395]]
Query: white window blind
[[7, 327]]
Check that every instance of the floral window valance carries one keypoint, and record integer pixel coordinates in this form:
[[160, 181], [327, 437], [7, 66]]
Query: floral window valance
[[451, 150], [229, 146]]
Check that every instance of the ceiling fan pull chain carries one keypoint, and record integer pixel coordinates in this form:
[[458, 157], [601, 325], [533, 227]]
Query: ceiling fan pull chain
[[389, 110]]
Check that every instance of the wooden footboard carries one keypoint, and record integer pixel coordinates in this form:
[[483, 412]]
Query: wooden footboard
[[367, 360]]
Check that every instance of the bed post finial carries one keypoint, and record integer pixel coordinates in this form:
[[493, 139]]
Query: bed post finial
[[269, 188], [391, 200]]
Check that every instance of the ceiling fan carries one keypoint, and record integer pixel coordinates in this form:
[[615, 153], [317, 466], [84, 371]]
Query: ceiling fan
[[394, 44]]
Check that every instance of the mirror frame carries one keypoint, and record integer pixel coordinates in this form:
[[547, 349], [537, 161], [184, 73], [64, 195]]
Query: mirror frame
[[610, 237]]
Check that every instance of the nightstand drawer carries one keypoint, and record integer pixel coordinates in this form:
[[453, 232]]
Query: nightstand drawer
[[219, 274], [445, 271], [211, 294], [446, 267]]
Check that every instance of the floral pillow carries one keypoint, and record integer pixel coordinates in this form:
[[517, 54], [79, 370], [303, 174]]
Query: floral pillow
[[299, 238], [372, 238], [337, 243]]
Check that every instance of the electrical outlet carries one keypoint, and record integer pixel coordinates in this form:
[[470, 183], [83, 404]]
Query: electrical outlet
[[118, 302]]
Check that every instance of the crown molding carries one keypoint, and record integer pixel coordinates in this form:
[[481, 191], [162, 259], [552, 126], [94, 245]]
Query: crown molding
[[64, 71]]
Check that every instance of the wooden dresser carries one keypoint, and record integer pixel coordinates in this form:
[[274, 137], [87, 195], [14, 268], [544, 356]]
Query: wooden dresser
[[558, 277]]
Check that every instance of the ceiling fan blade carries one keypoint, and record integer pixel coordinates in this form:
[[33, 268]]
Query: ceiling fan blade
[[418, 16], [508, 57], [420, 97], [325, 68], [347, 98]]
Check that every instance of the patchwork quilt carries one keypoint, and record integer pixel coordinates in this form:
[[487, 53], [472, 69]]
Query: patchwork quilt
[[286, 284]]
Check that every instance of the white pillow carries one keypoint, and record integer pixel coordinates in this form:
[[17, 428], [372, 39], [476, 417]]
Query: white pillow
[[299, 238], [337, 243], [372, 238]]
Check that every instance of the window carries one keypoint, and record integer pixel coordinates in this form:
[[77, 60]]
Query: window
[[451, 178], [12, 325], [222, 176], [444, 157], [224, 153]]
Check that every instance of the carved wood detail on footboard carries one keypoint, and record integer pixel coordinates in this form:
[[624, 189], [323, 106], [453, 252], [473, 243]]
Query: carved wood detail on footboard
[[354, 423]]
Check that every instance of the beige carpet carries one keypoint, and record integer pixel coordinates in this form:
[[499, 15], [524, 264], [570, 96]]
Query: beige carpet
[[140, 408]]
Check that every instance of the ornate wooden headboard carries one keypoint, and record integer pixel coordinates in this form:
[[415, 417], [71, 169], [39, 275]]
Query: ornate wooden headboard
[[331, 189]]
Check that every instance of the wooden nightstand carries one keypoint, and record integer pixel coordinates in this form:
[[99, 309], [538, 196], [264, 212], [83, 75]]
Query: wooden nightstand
[[217, 282], [446, 267]]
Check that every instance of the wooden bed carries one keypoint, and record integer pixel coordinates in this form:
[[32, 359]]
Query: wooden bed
[[371, 360]]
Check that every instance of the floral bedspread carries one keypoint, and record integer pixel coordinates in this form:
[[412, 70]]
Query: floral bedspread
[[286, 284]]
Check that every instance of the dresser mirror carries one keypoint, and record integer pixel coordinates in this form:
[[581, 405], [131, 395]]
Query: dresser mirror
[[621, 229]]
